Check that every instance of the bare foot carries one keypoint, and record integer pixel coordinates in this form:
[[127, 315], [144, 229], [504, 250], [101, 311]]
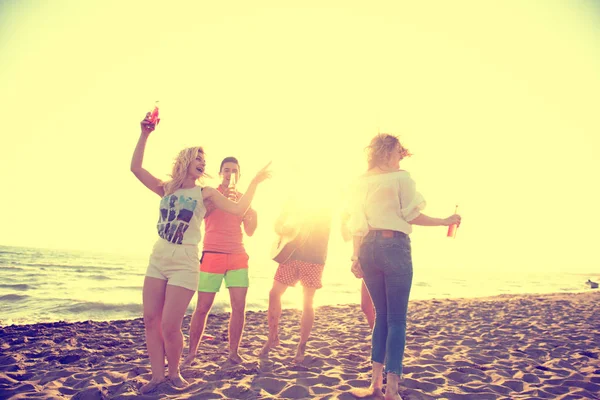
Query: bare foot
[[150, 386], [299, 359], [300, 353], [236, 358], [188, 360], [178, 381], [392, 397], [371, 391], [268, 346]]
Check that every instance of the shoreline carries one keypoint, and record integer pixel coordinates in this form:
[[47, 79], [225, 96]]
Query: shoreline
[[498, 347], [221, 311]]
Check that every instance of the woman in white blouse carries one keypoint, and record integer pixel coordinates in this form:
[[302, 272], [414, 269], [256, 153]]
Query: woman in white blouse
[[386, 205]]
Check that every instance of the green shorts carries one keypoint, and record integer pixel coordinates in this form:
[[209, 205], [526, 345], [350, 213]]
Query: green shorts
[[216, 267]]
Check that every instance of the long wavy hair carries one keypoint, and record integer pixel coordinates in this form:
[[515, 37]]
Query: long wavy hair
[[180, 168], [381, 148]]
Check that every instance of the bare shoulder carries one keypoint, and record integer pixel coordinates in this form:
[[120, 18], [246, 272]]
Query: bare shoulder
[[208, 192]]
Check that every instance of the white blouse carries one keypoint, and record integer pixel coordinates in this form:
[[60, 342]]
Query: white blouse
[[384, 201]]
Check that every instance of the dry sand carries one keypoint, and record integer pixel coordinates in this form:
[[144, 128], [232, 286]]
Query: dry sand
[[507, 347]]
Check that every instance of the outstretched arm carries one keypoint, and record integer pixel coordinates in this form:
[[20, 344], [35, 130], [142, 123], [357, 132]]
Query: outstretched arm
[[149, 180], [425, 220]]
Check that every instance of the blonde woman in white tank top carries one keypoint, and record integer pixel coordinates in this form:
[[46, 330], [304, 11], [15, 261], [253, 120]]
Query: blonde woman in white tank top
[[172, 275]]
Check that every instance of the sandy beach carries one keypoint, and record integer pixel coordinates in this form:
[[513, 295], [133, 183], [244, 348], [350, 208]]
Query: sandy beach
[[506, 347]]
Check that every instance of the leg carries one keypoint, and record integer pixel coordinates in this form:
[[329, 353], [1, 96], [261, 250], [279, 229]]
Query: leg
[[366, 304], [209, 283], [377, 290], [391, 390], [306, 324], [237, 321], [273, 317], [198, 323], [153, 299], [375, 390], [176, 301], [398, 281], [375, 283]]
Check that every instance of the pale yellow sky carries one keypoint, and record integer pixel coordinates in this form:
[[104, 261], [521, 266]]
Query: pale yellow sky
[[496, 100]]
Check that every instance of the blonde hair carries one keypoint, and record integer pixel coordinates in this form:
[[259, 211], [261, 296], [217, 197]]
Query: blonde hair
[[180, 168], [381, 148]]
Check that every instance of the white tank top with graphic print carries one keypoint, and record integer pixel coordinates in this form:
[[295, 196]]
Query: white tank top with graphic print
[[180, 216]]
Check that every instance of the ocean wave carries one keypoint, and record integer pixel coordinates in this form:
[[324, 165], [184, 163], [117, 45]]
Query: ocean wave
[[13, 297], [90, 307], [9, 252], [16, 286], [422, 284], [10, 268], [112, 288], [78, 267], [98, 277]]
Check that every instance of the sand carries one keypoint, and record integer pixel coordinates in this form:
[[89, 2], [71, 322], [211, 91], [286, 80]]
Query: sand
[[506, 347]]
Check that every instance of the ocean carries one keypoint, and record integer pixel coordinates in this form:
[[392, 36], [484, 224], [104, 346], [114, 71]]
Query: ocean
[[44, 285]]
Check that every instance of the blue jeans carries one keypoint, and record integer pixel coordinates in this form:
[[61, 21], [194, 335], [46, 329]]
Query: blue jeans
[[387, 266]]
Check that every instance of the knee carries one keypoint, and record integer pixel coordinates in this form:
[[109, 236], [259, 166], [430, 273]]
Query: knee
[[396, 320], [170, 330], [152, 320], [274, 295], [367, 307], [381, 316], [198, 318], [202, 311], [238, 309], [307, 306]]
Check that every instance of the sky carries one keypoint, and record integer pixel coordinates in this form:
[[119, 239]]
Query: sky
[[496, 100]]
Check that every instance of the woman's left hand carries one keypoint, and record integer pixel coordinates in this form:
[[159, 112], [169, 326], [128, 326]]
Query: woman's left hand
[[356, 269]]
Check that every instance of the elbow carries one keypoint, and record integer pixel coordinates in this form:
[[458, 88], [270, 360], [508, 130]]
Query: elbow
[[414, 219]]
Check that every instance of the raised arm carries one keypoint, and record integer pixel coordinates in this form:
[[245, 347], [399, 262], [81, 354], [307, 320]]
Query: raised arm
[[149, 180]]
